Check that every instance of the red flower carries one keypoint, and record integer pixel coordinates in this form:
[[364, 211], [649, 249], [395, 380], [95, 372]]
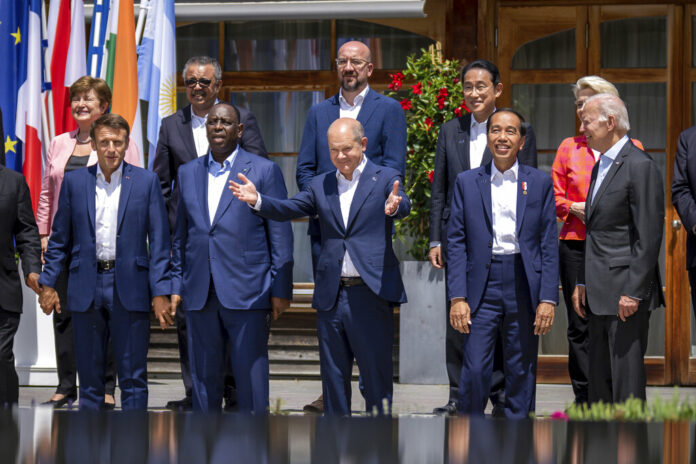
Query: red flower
[[458, 112], [443, 92], [428, 123], [406, 104], [417, 89], [397, 80], [440, 102], [464, 107], [430, 176], [456, 80]]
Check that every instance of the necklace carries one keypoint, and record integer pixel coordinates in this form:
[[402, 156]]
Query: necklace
[[82, 142]]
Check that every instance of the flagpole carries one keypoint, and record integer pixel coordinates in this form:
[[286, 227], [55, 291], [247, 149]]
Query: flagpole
[[141, 20], [48, 119]]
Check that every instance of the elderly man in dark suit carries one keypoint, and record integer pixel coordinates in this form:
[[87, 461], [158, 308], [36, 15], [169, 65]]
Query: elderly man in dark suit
[[620, 283], [18, 232], [461, 145], [358, 281], [684, 197], [183, 138]]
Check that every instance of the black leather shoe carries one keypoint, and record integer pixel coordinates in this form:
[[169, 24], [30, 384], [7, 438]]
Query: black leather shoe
[[64, 401], [450, 409], [230, 404], [180, 405], [108, 406], [498, 411], [316, 406]]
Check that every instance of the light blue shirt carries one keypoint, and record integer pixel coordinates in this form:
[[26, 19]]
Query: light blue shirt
[[217, 180], [605, 162]]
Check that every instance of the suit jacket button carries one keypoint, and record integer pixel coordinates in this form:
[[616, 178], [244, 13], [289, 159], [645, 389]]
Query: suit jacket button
[[488, 265], [490, 244]]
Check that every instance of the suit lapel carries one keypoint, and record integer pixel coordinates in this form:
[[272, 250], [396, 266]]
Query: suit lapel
[[463, 139], [484, 185], [126, 184], [241, 164], [368, 107], [487, 156], [331, 189], [521, 196], [333, 111], [588, 200], [90, 194], [201, 181], [615, 166], [367, 182], [187, 132]]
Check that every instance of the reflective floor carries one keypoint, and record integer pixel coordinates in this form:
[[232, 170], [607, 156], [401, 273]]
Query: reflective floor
[[41, 435]]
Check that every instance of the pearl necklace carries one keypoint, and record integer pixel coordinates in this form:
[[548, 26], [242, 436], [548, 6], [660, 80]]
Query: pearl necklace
[[82, 142]]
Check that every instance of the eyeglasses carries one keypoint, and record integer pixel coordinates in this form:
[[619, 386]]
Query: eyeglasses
[[579, 104], [356, 62], [203, 82], [481, 88]]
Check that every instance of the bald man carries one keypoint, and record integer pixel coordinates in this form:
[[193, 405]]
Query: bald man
[[381, 118]]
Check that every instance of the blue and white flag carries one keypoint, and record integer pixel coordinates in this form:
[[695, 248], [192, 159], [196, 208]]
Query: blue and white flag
[[157, 68], [97, 38]]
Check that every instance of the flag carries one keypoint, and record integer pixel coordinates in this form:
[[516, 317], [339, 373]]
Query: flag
[[157, 68], [65, 56], [98, 36], [123, 62], [20, 89]]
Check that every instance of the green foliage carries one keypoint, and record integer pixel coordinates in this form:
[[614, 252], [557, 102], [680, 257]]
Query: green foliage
[[434, 98], [634, 409]]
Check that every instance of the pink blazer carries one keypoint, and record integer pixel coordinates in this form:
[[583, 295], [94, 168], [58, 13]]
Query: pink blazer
[[59, 152]]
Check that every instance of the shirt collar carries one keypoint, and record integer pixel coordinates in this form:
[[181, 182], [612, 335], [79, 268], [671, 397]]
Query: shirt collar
[[358, 98], [115, 176], [356, 172], [214, 166], [613, 152], [200, 119], [513, 170], [475, 124]]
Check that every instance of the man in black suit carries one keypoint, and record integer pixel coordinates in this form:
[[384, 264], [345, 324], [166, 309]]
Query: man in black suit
[[620, 284], [183, 138], [461, 145], [684, 197], [18, 232]]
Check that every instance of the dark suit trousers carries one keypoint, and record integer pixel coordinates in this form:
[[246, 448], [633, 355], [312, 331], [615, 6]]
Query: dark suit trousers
[[692, 282], [617, 350], [571, 254], [130, 335], [359, 327], [65, 348], [453, 362], [505, 312], [214, 330], [9, 384]]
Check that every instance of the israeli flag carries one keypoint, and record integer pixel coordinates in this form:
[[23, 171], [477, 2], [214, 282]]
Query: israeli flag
[[157, 68]]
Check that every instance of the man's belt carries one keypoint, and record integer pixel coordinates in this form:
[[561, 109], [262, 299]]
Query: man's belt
[[351, 281], [105, 264]]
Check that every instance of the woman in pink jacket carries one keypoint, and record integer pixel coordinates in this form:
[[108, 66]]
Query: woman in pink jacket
[[89, 99]]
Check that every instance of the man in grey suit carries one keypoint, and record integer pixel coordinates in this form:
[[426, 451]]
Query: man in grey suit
[[620, 284]]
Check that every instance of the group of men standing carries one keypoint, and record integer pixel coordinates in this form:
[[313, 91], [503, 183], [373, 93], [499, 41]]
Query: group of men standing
[[178, 241]]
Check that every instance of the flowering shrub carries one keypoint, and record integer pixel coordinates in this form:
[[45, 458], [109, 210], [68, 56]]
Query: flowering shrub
[[435, 98]]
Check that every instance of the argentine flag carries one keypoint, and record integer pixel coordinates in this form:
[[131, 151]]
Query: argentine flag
[[157, 68]]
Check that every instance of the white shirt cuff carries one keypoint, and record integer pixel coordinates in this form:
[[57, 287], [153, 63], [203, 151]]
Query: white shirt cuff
[[257, 205]]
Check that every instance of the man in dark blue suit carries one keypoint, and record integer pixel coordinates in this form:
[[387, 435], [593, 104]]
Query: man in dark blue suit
[[357, 280], [503, 268], [382, 119], [112, 226], [230, 267]]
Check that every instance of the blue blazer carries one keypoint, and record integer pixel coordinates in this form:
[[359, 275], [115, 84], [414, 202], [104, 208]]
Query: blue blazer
[[142, 226], [470, 234], [249, 258], [385, 128], [367, 237]]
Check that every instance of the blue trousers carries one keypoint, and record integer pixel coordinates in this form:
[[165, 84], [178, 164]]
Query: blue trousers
[[130, 335], [505, 311], [360, 327], [209, 331]]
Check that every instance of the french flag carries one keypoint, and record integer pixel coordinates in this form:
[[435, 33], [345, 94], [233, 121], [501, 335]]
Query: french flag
[[20, 89]]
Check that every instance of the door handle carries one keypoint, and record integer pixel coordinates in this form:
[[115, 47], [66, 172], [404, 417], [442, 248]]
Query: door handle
[[676, 224]]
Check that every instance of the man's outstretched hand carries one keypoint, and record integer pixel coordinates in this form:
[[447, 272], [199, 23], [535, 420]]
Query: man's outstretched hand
[[393, 200], [246, 191]]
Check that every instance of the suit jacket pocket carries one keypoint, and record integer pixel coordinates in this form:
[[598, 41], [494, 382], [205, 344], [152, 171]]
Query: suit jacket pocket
[[256, 257], [142, 261], [619, 261]]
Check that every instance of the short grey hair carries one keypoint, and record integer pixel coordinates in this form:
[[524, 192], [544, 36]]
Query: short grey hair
[[608, 104], [358, 131], [596, 84], [204, 60]]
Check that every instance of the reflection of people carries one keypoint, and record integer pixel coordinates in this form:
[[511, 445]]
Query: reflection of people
[[461, 145], [624, 213], [89, 99], [111, 223], [230, 267], [183, 138], [358, 280], [503, 263], [382, 119], [684, 197], [18, 232], [571, 172]]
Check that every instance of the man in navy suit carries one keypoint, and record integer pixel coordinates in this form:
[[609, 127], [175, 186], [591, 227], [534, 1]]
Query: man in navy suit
[[230, 267], [503, 268], [111, 225], [357, 280], [183, 138], [462, 145], [382, 119]]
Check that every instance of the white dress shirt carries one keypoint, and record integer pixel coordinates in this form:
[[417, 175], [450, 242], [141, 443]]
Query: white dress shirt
[[200, 137], [504, 210], [106, 213], [346, 191], [605, 162], [351, 111], [478, 139], [217, 181]]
